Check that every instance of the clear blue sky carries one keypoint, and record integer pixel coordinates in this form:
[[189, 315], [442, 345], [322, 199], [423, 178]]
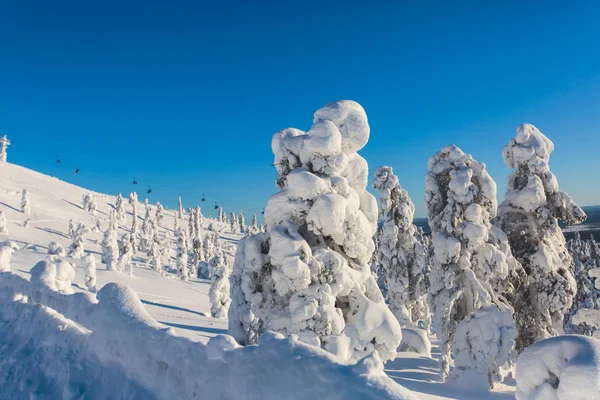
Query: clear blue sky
[[187, 95]]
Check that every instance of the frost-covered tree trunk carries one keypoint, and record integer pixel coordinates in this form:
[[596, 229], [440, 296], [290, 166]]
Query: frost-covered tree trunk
[[3, 227], [126, 254], [179, 208], [25, 202], [470, 258], [120, 207], [159, 214], [586, 258], [110, 245], [529, 216], [309, 275], [219, 286], [89, 269], [182, 255], [78, 237], [402, 257]]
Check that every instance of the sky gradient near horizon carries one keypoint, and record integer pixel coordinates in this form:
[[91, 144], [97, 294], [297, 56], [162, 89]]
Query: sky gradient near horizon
[[186, 96]]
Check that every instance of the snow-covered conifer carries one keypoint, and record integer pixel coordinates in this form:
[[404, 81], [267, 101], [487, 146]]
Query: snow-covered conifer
[[197, 252], [402, 257], [89, 268], [120, 207], [208, 244], [309, 275], [78, 237], [155, 253], [159, 214], [233, 222], [242, 222], [110, 245], [254, 227], [470, 256], [7, 248], [135, 234], [182, 255], [71, 227], [57, 249], [125, 255], [25, 202], [221, 215], [532, 207], [147, 232], [175, 222], [89, 203], [219, 286], [198, 220], [3, 227], [179, 208], [191, 223]]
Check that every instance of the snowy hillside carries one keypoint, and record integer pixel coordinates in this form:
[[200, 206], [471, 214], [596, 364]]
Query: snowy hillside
[[153, 347]]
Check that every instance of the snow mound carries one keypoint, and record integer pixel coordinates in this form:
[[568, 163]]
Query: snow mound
[[559, 368]]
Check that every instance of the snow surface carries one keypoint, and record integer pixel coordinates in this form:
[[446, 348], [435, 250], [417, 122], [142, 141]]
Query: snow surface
[[153, 343]]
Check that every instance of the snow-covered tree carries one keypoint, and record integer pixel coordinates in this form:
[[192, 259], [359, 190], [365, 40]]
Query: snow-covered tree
[[309, 275], [191, 223], [120, 207], [57, 249], [221, 215], [159, 214], [219, 286], [233, 222], [71, 227], [209, 245], [471, 258], [402, 257], [135, 234], [125, 254], [3, 227], [110, 245], [155, 253], [78, 237], [242, 222], [586, 257], [25, 202], [7, 248], [89, 203], [529, 216], [147, 232], [182, 255], [89, 268], [254, 227], [65, 273], [179, 208], [198, 219], [197, 252]]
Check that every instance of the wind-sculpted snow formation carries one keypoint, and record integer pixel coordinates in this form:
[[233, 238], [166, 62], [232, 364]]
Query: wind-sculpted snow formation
[[77, 343], [529, 216], [308, 276]]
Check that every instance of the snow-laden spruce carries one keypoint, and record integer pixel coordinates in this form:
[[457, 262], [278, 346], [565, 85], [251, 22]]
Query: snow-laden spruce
[[309, 275], [182, 255], [25, 202], [472, 261], [89, 269], [110, 245], [89, 203], [586, 258], [179, 208], [120, 207], [529, 216], [135, 234], [57, 249], [147, 233], [3, 227], [79, 234], [125, 255], [219, 286], [159, 214], [7, 249], [233, 222], [402, 257]]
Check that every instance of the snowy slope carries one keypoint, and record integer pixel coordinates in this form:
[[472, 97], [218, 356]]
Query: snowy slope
[[181, 305]]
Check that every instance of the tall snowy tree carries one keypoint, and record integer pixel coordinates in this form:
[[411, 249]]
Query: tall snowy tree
[[242, 222], [182, 255], [25, 202], [159, 214], [471, 257], [402, 257], [179, 208], [529, 216], [147, 232], [89, 268], [135, 234], [191, 223], [125, 255], [78, 237], [309, 275], [120, 207], [3, 227], [221, 215], [254, 227], [156, 253], [110, 245], [234, 223], [198, 219], [89, 203], [219, 286]]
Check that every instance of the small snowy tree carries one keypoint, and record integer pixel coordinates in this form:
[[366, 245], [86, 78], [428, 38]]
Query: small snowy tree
[[198, 219], [89, 268], [120, 207], [529, 216], [89, 203], [65, 273], [3, 227], [233, 222], [179, 208], [159, 213], [126, 254], [182, 255], [57, 249], [25, 202], [221, 215], [208, 244], [7, 248], [254, 227], [242, 222], [191, 223], [147, 232], [219, 286], [402, 257], [71, 227], [309, 275], [470, 256], [110, 245], [155, 253], [78, 237]]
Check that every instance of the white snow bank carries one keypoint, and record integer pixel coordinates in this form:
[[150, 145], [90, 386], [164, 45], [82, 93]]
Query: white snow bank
[[112, 338], [560, 368]]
